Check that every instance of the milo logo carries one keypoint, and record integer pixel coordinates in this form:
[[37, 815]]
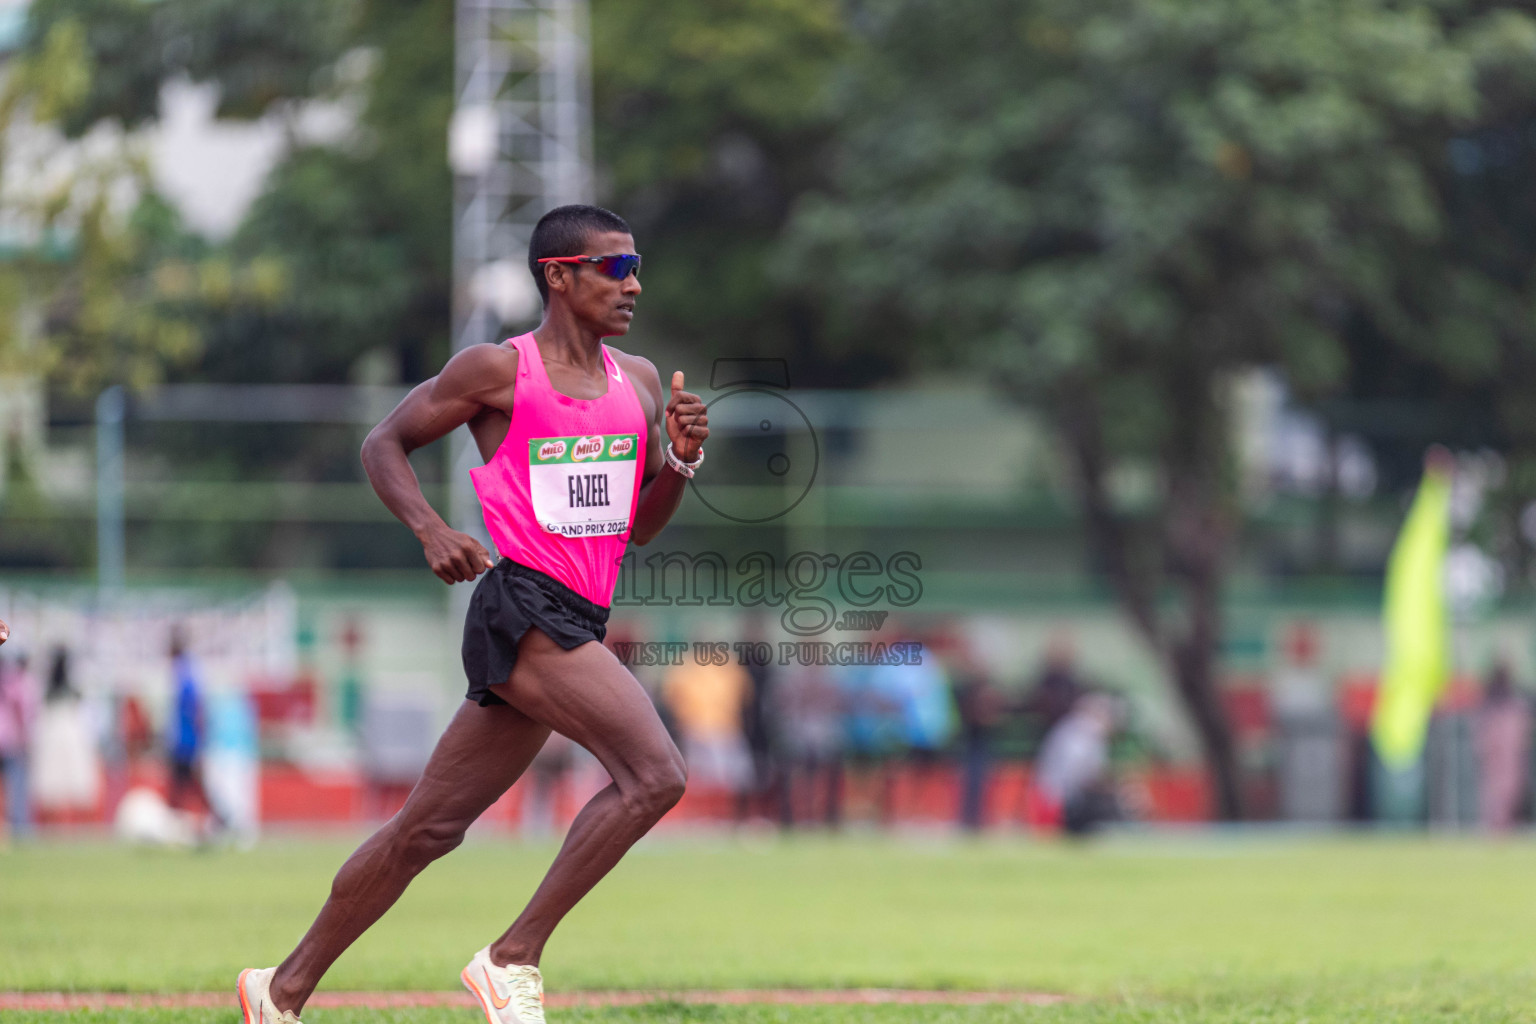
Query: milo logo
[[621, 446], [551, 450], [588, 448]]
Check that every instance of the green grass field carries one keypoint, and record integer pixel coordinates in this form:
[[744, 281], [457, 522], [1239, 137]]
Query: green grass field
[[1222, 928]]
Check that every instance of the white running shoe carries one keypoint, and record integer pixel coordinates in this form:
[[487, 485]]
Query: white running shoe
[[508, 995], [254, 1001]]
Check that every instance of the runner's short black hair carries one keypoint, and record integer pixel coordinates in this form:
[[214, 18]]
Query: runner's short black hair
[[564, 231]]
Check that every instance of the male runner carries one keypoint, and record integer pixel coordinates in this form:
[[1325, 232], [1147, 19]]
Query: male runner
[[563, 423]]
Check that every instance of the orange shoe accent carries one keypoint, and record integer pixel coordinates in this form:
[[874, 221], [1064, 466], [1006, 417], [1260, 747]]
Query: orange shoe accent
[[485, 1004], [245, 1007], [500, 1004]]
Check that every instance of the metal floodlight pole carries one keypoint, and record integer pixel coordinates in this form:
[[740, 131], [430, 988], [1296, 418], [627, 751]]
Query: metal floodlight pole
[[110, 545], [520, 144]]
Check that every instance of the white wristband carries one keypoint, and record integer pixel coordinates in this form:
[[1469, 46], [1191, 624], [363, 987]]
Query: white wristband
[[685, 468]]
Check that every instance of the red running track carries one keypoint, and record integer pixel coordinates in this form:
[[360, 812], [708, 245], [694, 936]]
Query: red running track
[[396, 1000]]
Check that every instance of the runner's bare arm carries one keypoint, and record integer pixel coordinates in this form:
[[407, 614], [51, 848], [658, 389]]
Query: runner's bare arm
[[432, 409], [5, 632], [686, 425]]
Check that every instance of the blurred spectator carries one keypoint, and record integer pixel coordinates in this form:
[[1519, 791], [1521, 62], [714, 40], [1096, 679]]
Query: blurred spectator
[[871, 733], [1073, 767], [982, 709], [871, 719], [20, 701], [1056, 689], [924, 707], [758, 724], [708, 702], [232, 764], [185, 735], [904, 713], [66, 768], [808, 712], [137, 735], [349, 689], [1308, 740], [1503, 749], [61, 687]]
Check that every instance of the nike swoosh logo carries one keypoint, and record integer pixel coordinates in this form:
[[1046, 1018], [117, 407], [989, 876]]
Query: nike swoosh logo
[[496, 1001]]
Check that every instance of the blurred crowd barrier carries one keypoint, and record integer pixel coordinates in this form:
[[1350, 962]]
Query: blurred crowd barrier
[[197, 715]]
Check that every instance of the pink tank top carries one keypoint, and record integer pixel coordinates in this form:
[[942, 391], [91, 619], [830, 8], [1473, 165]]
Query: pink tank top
[[560, 493]]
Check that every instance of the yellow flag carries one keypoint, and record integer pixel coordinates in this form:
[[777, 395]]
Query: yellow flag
[[1415, 622]]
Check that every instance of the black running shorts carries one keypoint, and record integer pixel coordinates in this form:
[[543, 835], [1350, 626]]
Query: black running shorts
[[510, 600]]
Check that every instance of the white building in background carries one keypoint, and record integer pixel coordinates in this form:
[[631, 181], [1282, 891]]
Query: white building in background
[[211, 170]]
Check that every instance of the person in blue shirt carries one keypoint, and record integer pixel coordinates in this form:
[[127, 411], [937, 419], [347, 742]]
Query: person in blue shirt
[[185, 733]]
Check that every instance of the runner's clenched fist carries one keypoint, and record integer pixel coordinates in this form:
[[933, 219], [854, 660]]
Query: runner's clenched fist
[[687, 420]]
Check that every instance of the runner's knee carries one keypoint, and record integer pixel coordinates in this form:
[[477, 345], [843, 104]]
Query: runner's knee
[[659, 788], [421, 844], [667, 789]]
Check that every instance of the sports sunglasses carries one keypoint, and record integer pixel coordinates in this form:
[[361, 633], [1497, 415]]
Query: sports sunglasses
[[617, 266]]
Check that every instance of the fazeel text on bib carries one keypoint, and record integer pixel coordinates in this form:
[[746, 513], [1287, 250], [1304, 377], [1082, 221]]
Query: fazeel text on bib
[[581, 486]]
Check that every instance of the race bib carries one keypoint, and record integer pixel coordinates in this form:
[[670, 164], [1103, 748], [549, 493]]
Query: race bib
[[582, 486]]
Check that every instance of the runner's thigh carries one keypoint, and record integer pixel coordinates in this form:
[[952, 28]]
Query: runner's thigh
[[587, 695], [481, 753]]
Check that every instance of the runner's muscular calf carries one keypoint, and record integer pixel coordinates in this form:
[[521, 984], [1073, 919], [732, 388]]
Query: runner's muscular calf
[[584, 693]]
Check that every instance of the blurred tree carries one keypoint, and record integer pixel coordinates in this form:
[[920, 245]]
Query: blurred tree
[[1455, 373], [711, 117], [1113, 206], [96, 283], [1487, 345], [364, 223], [711, 121], [258, 54]]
